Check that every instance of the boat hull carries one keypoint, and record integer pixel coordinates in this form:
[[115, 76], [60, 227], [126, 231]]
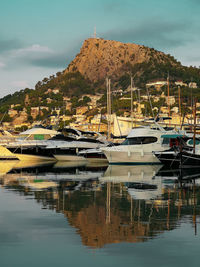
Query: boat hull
[[69, 158], [34, 158], [124, 157], [189, 159], [95, 157], [168, 158]]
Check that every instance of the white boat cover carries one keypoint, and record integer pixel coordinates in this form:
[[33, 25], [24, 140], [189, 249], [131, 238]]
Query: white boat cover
[[39, 131]]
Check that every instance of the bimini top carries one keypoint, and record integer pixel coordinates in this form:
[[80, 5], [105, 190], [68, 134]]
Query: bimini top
[[143, 131], [37, 130]]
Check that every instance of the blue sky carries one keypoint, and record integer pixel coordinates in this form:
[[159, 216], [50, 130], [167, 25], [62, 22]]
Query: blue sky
[[40, 37]]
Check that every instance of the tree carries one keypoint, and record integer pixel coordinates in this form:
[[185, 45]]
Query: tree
[[30, 118]]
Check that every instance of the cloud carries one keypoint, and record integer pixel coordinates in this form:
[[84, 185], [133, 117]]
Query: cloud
[[10, 44], [35, 48], [35, 55], [2, 64], [155, 33], [55, 60], [51, 59], [20, 84]]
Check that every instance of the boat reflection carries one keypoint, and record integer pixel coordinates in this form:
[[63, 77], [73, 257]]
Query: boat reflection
[[119, 204], [6, 166], [140, 180]]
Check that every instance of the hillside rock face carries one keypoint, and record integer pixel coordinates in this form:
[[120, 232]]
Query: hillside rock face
[[99, 58]]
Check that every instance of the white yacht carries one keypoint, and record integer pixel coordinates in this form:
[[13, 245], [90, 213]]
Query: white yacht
[[138, 146], [70, 151], [29, 145]]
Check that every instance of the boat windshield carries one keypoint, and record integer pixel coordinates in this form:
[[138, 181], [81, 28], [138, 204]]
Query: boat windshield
[[89, 140], [140, 140]]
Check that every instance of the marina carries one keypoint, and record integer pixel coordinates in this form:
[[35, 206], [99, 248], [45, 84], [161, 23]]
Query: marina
[[99, 133]]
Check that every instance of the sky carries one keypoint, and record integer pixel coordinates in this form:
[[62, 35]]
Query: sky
[[40, 37]]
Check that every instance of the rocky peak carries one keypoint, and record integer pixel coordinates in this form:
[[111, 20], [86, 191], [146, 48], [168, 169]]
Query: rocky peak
[[99, 58]]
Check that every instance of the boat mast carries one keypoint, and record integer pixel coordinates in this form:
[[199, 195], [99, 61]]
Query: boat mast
[[179, 102], [139, 106], [194, 136], [168, 96], [131, 102], [108, 107], [108, 197]]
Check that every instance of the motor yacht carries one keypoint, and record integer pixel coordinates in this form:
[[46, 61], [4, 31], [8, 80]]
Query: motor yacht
[[71, 151], [138, 146]]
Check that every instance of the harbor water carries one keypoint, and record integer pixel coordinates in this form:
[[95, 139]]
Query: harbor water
[[98, 215]]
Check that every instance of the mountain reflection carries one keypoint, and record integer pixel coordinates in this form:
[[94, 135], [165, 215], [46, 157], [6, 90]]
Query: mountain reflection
[[114, 204]]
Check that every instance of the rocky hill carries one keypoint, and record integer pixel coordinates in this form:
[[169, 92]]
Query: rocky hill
[[99, 58]]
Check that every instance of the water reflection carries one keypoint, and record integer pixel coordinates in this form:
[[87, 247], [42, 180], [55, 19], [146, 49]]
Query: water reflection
[[111, 204]]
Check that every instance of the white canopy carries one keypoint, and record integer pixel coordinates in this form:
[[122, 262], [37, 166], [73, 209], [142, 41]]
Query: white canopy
[[39, 131]]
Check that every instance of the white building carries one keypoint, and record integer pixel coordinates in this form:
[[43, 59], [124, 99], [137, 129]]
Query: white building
[[156, 84], [180, 83], [192, 85]]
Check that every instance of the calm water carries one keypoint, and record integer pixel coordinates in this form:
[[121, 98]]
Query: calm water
[[98, 216]]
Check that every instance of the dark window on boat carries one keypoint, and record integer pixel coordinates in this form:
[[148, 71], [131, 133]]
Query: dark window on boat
[[90, 140], [61, 137], [166, 141], [140, 140]]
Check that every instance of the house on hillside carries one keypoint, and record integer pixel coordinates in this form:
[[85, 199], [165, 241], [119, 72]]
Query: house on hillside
[[44, 107], [94, 99], [164, 110], [55, 91], [12, 112], [35, 111], [54, 120], [80, 118], [6, 125], [171, 100], [68, 105], [65, 117], [48, 91], [175, 110], [181, 83], [15, 105], [157, 84], [128, 89], [98, 127], [66, 99], [49, 100], [192, 85], [156, 98], [57, 110]]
